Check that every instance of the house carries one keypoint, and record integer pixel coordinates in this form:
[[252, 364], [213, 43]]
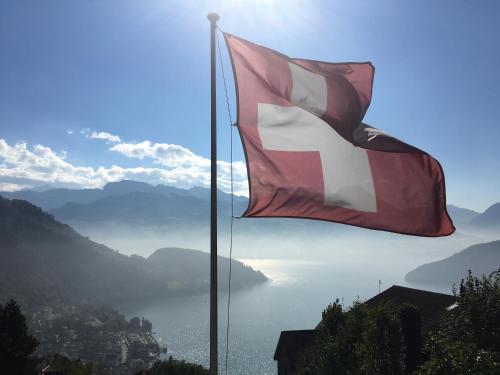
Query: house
[[430, 304], [290, 344]]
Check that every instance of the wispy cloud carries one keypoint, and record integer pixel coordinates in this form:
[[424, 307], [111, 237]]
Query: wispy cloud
[[105, 136], [23, 166]]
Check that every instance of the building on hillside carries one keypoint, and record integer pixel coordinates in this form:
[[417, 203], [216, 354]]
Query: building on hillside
[[290, 344], [430, 304]]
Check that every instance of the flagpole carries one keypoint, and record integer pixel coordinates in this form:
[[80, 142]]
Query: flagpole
[[213, 201]]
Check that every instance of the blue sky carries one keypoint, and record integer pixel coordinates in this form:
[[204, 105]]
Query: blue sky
[[139, 70]]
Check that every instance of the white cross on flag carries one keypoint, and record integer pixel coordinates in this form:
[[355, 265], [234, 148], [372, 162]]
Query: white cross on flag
[[310, 156]]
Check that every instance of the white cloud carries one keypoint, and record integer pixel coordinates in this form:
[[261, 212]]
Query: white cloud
[[69, 131], [23, 166], [182, 159], [105, 136], [164, 154]]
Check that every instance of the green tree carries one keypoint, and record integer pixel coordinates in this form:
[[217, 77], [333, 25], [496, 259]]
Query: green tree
[[71, 366], [134, 324], [451, 357], [175, 367], [16, 344], [467, 340], [381, 349], [146, 325], [359, 340], [411, 328]]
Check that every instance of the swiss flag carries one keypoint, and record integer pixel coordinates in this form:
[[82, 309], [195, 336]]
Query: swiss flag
[[309, 155]]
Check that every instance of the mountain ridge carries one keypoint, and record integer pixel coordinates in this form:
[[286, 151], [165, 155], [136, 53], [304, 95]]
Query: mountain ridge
[[53, 198], [44, 261], [489, 219], [49, 199], [482, 258], [135, 216]]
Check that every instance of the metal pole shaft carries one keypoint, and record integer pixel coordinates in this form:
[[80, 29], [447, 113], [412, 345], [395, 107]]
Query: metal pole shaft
[[213, 201]]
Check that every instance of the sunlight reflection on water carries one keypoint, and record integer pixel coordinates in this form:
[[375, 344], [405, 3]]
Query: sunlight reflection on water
[[294, 298], [279, 271]]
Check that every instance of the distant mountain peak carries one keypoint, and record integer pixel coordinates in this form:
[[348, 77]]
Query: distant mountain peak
[[127, 186], [126, 183], [493, 208], [489, 219], [455, 207], [461, 216]]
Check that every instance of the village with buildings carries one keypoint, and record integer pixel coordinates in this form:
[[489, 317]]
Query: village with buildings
[[99, 335]]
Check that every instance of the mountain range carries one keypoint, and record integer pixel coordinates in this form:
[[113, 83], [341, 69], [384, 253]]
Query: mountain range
[[132, 202], [489, 219], [481, 259], [138, 218], [461, 216], [50, 199], [45, 261]]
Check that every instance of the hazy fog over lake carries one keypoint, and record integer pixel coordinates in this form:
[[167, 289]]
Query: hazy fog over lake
[[306, 274], [288, 239]]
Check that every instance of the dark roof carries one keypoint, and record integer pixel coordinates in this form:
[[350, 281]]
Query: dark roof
[[294, 341], [430, 304]]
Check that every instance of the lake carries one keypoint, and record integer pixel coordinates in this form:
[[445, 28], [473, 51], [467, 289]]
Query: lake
[[294, 298]]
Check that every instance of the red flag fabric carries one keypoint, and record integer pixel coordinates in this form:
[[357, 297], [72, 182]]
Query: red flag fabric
[[310, 156]]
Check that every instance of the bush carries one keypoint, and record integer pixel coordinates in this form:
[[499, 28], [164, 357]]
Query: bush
[[71, 366], [468, 337], [386, 339], [176, 367], [359, 340]]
